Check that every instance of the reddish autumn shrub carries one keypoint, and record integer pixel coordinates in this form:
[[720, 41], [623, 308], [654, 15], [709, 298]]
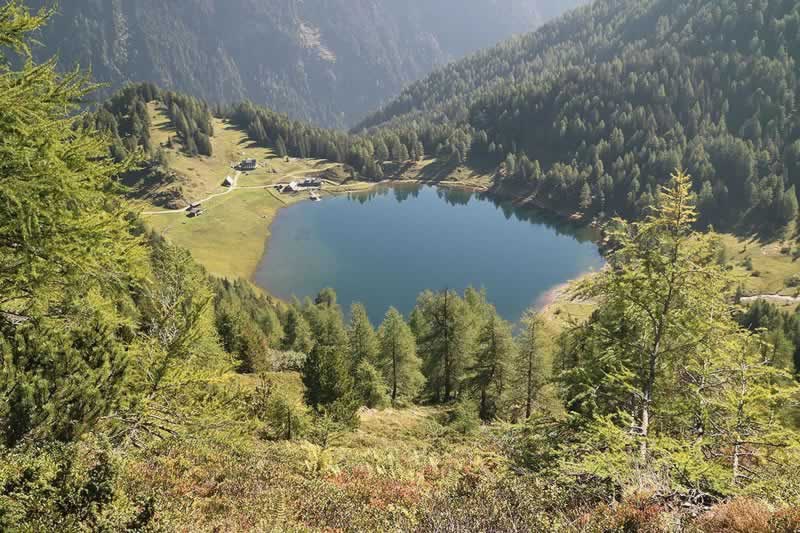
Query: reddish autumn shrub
[[741, 515], [785, 521], [636, 513], [378, 491], [640, 517]]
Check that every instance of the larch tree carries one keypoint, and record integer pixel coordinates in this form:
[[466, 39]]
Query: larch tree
[[528, 365], [69, 255], [398, 358], [327, 373], [297, 336], [495, 352], [445, 341], [363, 340], [661, 298], [742, 399], [662, 378]]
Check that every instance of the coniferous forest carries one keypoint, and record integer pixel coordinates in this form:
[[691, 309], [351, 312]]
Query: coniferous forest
[[139, 392], [596, 109]]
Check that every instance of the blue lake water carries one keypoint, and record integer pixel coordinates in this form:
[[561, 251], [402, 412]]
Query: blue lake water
[[383, 247]]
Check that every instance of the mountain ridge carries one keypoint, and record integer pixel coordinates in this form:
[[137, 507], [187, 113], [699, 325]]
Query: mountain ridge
[[327, 61]]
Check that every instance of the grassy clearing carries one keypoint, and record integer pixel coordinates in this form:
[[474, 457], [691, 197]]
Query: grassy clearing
[[201, 176], [430, 170], [230, 238], [382, 477], [763, 268]]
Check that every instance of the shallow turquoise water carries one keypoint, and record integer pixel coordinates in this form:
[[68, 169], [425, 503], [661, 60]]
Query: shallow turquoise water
[[384, 247]]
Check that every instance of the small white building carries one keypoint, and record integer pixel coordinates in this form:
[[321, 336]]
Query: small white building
[[228, 181]]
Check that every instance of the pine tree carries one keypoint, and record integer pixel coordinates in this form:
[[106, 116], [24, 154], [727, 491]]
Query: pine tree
[[280, 147], [585, 198], [445, 340], [495, 352], [398, 358], [788, 206], [529, 367], [297, 336], [362, 337], [68, 255]]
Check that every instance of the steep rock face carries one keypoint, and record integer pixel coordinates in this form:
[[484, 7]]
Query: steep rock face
[[330, 61]]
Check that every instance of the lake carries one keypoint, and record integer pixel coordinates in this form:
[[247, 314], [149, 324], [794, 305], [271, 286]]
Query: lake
[[385, 246]]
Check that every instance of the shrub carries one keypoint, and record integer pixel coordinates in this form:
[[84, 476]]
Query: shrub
[[286, 418], [785, 520], [741, 515], [66, 487]]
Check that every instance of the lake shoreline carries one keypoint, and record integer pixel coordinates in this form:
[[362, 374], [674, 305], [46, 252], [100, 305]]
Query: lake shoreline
[[287, 266]]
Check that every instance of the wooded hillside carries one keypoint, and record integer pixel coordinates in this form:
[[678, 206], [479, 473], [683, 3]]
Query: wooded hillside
[[330, 62], [593, 110]]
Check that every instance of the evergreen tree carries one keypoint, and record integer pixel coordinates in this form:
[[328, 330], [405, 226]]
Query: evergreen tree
[[740, 398], [529, 367], [327, 373], [663, 285], [662, 376], [788, 207], [398, 358], [68, 255], [362, 337], [445, 341], [585, 199], [298, 336], [491, 373], [280, 147], [369, 386]]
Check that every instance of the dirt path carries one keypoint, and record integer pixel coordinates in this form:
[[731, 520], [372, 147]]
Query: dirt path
[[183, 210], [235, 187]]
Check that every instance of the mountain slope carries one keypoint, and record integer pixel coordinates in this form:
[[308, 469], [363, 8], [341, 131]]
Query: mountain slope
[[596, 109], [329, 61]]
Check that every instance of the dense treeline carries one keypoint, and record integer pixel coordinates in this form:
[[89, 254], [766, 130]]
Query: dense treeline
[[453, 348], [125, 118], [781, 329], [299, 139], [586, 128], [593, 110]]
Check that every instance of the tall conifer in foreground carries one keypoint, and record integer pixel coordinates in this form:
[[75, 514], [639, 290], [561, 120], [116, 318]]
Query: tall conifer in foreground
[[494, 355], [442, 324], [398, 358], [528, 364], [68, 254], [662, 376]]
